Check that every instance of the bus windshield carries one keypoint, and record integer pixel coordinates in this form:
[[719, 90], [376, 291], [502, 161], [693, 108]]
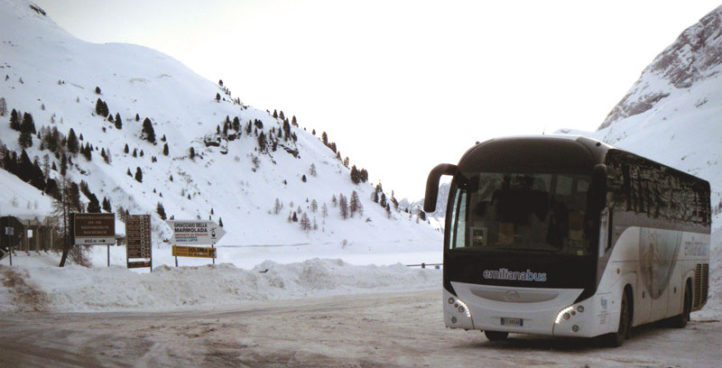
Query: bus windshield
[[520, 212]]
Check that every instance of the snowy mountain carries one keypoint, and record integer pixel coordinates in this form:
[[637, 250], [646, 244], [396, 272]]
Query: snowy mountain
[[270, 181], [673, 113]]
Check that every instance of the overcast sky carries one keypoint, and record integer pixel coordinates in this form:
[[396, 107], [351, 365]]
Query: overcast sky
[[401, 86]]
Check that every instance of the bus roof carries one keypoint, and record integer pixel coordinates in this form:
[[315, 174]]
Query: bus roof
[[571, 154]]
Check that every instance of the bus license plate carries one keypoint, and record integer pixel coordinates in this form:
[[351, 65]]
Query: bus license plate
[[512, 322]]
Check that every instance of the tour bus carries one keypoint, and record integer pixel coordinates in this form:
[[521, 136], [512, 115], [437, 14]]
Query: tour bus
[[568, 236]]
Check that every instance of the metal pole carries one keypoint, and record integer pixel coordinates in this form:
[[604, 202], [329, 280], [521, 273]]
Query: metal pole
[[108, 255], [213, 245]]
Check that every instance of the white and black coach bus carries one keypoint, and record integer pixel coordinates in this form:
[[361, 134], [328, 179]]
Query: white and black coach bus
[[568, 236]]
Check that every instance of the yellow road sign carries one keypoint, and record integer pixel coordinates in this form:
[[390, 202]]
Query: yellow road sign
[[204, 252]]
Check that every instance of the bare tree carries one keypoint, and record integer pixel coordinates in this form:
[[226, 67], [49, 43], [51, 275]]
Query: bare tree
[[63, 208]]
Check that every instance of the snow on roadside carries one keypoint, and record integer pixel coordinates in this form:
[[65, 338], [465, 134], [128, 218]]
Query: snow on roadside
[[101, 289]]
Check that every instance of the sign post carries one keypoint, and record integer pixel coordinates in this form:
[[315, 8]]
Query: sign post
[[187, 233], [9, 231], [138, 245], [93, 229]]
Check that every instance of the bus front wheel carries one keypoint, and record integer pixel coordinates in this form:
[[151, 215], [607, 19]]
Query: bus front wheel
[[624, 330], [496, 335]]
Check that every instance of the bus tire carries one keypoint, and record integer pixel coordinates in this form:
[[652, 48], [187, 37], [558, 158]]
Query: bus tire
[[616, 339], [680, 321], [496, 335]]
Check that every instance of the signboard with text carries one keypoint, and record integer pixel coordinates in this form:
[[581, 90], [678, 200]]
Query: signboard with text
[[195, 232], [93, 228], [202, 252], [137, 232]]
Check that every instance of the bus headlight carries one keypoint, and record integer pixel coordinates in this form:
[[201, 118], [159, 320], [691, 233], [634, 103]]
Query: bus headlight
[[564, 314], [568, 313], [460, 306]]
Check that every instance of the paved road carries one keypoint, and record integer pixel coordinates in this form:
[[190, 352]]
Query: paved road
[[380, 330]]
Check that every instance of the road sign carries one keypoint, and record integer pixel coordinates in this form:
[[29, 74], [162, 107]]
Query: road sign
[[137, 232], [195, 232], [139, 264], [93, 228], [203, 252]]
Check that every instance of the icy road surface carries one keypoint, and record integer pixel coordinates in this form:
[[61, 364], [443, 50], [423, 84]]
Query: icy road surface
[[378, 330]]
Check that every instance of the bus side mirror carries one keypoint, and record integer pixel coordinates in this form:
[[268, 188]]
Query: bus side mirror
[[599, 187], [432, 184]]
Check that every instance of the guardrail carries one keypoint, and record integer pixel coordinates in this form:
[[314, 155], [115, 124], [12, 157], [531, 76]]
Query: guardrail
[[436, 266]]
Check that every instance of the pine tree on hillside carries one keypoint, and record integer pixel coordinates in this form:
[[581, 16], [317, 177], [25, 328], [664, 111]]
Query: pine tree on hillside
[[97, 90], [14, 120], [101, 108], [63, 164], [106, 205], [28, 123], [126, 149], [148, 132], [138, 175], [262, 143], [137, 117], [343, 206], [25, 139], [354, 203], [218, 97], [118, 122], [160, 210], [165, 149], [192, 153], [72, 142]]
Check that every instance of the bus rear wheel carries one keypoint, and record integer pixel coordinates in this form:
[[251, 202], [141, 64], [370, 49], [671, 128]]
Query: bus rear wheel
[[680, 321], [616, 339], [496, 335]]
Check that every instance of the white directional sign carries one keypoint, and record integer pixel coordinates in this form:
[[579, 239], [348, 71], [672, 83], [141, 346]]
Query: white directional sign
[[195, 232]]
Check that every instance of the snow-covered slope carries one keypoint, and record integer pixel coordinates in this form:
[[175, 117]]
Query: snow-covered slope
[[48, 73], [673, 113]]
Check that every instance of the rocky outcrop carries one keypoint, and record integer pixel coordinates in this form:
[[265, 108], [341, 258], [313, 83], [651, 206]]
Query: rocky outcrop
[[694, 56]]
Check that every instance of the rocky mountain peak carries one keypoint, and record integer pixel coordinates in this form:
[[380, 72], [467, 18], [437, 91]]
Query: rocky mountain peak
[[694, 56]]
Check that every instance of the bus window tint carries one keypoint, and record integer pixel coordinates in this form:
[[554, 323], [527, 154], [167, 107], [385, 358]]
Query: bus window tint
[[522, 212]]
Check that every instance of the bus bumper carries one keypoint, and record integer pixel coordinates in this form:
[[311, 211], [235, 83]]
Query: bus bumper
[[523, 310]]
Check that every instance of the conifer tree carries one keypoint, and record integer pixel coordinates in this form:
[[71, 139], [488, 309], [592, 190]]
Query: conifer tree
[[354, 203], [72, 142], [14, 120], [262, 143], [138, 175], [148, 132], [118, 122], [126, 149], [160, 210], [106, 205], [63, 164], [25, 139], [343, 206], [165, 149], [192, 153], [28, 123]]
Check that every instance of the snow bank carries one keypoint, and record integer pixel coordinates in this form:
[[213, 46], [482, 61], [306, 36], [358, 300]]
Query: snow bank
[[78, 289]]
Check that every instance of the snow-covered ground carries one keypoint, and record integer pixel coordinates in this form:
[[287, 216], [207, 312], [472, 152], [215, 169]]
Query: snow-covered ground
[[35, 283]]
